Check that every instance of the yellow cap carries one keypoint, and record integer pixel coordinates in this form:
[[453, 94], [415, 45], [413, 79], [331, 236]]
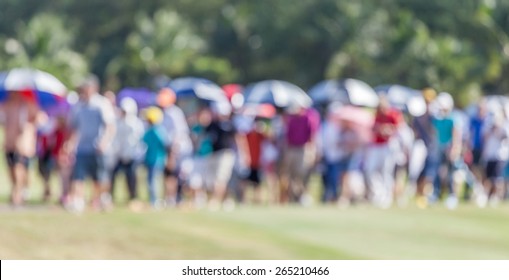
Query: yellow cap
[[154, 115], [429, 94]]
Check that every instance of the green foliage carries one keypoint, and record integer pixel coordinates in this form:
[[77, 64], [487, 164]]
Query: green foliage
[[457, 46], [44, 43]]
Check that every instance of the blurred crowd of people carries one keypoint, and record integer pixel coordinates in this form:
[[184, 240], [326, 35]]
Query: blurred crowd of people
[[213, 158]]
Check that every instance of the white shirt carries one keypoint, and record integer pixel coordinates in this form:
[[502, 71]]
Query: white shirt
[[329, 143], [178, 130], [127, 142], [496, 146]]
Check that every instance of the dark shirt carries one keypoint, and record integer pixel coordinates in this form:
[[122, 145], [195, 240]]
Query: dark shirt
[[221, 134]]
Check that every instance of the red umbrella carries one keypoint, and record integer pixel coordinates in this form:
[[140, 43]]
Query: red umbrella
[[231, 89]]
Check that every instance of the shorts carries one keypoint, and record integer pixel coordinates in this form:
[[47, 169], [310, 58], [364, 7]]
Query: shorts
[[493, 169], [293, 165], [91, 165], [213, 169], [219, 167], [46, 164], [254, 176], [476, 154], [430, 169], [14, 158]]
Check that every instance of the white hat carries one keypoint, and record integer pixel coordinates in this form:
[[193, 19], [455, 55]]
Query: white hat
[[445, 101], [129, 106]]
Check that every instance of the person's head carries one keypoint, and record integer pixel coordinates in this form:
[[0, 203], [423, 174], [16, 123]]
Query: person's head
[[482, 109], [204, 116], [445, 104], [154, 115], [112, 98], [166, 98], [429, 95], [383, 104], [88, 87], [128, 107]]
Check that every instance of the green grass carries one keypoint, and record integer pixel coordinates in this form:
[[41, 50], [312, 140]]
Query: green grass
[[258, 233]]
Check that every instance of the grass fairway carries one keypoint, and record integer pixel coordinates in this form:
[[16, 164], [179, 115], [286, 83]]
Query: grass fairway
[[258, 233]]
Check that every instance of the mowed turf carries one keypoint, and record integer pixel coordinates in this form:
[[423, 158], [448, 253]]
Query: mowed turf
[[257, 233]]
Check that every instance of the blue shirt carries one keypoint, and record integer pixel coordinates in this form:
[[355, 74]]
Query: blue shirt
[[155, 139], [89, 120], [476, 126], [444, 128]]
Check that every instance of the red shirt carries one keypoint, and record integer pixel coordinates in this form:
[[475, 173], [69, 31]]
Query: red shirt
[[54, 142], [392, 118], [254, 141]]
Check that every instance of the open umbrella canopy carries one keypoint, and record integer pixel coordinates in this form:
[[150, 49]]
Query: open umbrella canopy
[[143, 97], [277, 93], [348, 91], [404, 98], [197, 87], [193, 92], [34, 84]]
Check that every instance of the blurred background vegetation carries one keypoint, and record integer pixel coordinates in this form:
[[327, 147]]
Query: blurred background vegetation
[[457, 46]]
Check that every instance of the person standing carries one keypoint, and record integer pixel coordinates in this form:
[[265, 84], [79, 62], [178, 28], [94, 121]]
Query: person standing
[[380, 163], [494, 156], [225, 140], [449, 149], [299, 134], [156, 143], [20, 128], [127, 147], [424, 161], [331, 154], [180, 146], [92, 128]]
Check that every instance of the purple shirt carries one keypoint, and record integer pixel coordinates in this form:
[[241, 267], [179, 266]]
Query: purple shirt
[[301, 128]]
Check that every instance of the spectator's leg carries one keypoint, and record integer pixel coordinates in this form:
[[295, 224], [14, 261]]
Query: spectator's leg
[[130, 172]]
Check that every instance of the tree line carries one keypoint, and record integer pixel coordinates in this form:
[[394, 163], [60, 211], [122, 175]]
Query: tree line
[[457, 46]]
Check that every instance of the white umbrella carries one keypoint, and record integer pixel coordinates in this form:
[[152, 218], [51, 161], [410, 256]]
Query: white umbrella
[[47, 89], [348, 91], [277, 93], [404, 98]]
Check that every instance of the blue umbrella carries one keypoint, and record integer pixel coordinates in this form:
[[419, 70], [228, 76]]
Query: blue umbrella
[[404, 98], [277, 93], [190, 91], [348, 91], [143, 97], [41, 86], [197, 87]]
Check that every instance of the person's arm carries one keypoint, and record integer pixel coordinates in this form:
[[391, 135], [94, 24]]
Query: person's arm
[[456, 143], [108, 116], [243, 148]]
